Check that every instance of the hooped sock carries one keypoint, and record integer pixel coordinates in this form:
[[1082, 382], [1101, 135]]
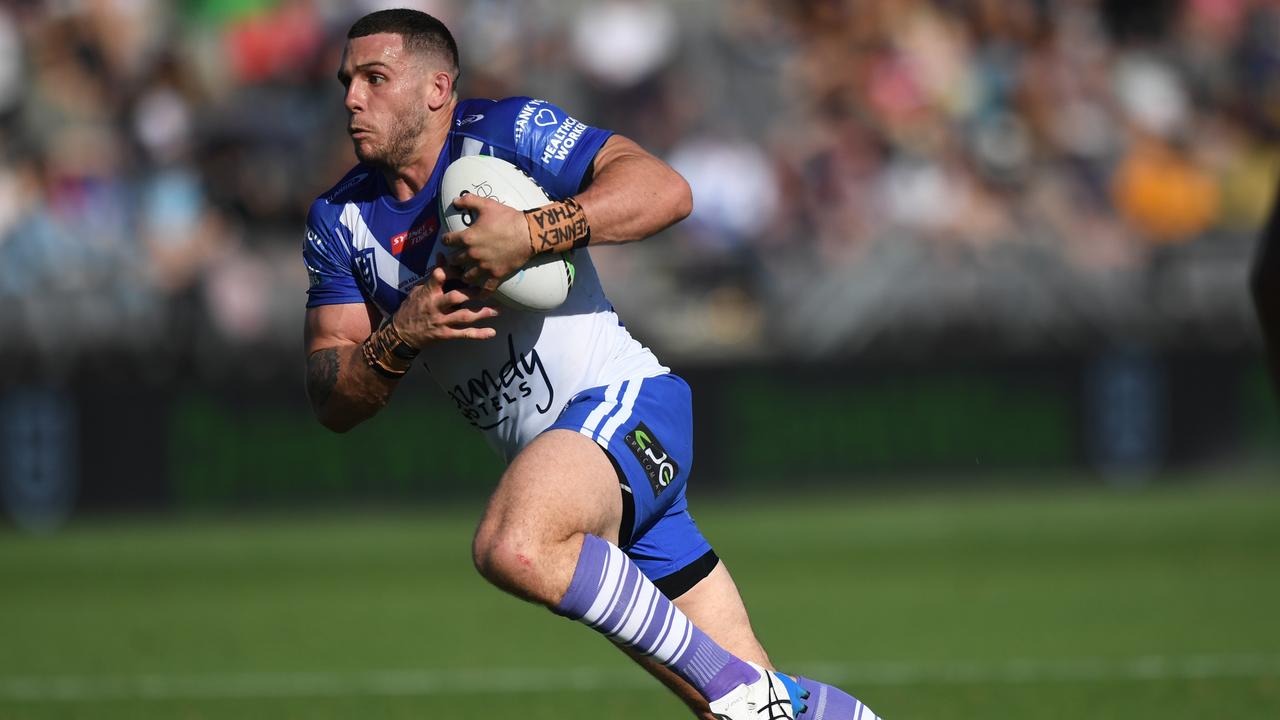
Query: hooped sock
[[609, 593]]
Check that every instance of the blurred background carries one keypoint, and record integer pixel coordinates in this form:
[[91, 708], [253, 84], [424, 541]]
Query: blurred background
[[993, 248], [927, 235]]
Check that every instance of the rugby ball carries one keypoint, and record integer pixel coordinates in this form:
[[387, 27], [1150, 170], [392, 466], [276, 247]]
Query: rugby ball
[[542, 284]]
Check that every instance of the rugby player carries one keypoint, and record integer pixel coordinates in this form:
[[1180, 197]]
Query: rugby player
[[589, 517]]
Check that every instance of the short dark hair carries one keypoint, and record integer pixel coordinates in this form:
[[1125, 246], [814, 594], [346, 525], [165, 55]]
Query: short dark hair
[[421, 32]]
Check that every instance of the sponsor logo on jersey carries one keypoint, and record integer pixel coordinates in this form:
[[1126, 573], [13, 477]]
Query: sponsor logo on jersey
[[350, 183], [366, 269], [658, 464], [485, 399], [415, 236], [477, 117]]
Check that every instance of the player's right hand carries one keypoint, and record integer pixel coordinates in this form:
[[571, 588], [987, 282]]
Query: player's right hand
[[430, 313]]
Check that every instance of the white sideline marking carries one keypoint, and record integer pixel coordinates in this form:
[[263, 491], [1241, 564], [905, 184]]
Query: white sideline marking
[[521, 680]]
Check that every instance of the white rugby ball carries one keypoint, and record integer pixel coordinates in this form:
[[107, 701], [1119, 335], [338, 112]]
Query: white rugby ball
[[544, 282]]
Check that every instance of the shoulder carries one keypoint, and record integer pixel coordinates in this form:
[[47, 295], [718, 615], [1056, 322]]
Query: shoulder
[[521, 124], [358, 185], [493, 121], [513, 117], [479, 114], [323, 217]]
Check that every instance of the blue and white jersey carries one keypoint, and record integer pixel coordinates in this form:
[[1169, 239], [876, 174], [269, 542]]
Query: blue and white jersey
[[363, 245]]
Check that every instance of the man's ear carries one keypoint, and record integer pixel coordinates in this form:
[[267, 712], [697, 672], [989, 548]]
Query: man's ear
[[439, 89]]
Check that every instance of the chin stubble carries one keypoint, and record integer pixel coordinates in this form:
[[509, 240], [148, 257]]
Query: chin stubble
[[403, 141]]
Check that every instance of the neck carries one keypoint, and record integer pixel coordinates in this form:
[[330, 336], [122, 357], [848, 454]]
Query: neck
[[408, 180]]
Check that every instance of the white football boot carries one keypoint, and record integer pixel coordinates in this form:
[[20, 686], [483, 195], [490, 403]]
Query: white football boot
[[772, 697]]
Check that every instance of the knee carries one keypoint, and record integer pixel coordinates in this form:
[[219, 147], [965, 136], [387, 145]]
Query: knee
[[505, 558]]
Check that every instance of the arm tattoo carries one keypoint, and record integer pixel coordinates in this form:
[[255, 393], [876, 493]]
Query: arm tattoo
[[322, 375]]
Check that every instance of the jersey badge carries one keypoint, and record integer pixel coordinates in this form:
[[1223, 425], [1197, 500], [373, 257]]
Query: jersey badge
[[367, 269]]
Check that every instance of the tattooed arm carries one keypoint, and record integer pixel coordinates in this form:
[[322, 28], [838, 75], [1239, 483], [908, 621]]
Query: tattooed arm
[[344, 386]]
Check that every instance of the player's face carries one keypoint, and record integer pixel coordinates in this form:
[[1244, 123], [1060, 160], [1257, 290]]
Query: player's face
[[385, 99]]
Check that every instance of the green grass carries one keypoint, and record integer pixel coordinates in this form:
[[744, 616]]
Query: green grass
[[998, 604]]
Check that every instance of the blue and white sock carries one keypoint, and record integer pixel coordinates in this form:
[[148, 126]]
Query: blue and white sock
[[609, 593]]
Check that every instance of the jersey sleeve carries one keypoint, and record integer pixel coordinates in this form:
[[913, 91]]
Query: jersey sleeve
[[554, 147], [328, 261]]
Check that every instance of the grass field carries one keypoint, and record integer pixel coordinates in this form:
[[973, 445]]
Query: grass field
[[1048, 604]]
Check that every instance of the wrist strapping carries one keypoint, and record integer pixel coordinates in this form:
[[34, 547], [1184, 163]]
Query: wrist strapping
[[557, 227], [387, 352]]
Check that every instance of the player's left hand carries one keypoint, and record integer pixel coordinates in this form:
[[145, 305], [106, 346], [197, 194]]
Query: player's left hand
[[494, 245]]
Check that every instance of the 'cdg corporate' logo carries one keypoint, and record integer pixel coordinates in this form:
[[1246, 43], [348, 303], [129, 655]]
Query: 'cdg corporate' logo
[[485, 400], [658, 464]]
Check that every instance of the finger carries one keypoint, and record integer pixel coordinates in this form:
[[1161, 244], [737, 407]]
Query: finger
[[453, 239], [463, 317], [470, 333], [475, 277], [478, 277], [461, 296], [437, 277], [452, 270], [452, 264], [453, 275], [471, 201]]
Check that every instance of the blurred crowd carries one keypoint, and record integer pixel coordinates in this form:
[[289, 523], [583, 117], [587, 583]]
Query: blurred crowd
[[1007, 175]]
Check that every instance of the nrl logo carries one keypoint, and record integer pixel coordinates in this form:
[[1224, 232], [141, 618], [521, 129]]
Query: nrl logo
[[367, 269]]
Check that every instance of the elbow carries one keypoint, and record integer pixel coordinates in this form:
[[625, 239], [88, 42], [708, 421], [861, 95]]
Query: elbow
[[335, 419], [336, 424], [681, 202]]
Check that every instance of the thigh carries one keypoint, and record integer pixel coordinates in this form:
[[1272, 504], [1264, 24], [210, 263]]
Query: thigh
[[645, 428], [560, 486]]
